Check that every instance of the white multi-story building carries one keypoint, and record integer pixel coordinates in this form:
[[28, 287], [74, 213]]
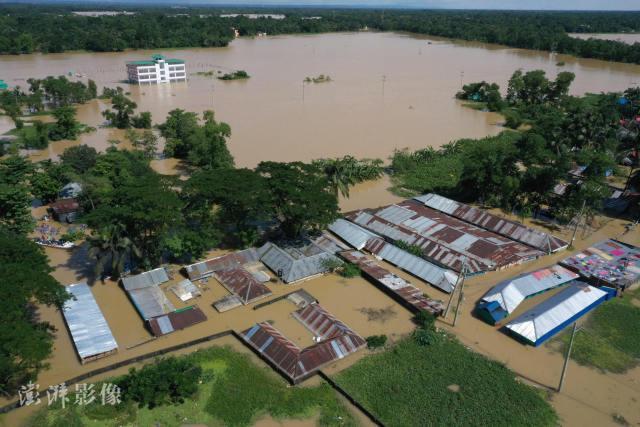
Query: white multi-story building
[[157, 70]]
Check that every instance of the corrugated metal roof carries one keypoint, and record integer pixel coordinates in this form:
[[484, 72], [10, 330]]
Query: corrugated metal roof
[[227, 303], [185, 290], [510, 293], [63, 206], [444, 239], [437, 276], [351, 233], [504, 227], [242, 283], [144, 280], [295, 263], [403, 289], [206, 268], [150, 302], [297, 364], [547, 318], [608, 262], [176, 320], [89, 329]]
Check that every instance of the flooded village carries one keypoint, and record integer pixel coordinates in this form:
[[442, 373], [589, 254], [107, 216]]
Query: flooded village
[[505, 286]]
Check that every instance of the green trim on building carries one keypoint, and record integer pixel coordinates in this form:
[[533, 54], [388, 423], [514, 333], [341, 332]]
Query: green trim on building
[[3, 85], [155, 59]]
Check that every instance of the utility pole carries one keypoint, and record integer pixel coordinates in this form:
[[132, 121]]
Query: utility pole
[[461, 78], [303, 91], [455, 288], [575, 228], [460, 295], [384, 79], [567, 357]]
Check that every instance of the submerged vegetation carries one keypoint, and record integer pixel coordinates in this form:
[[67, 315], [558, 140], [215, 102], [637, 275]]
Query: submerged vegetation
[[319, 79], [442, 383], [235, 75], [222, 386], [610, 339]]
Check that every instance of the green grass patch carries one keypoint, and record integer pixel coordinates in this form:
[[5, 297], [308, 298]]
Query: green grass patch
[[480, 106], [610, 339], [443, 384], [234, 391]]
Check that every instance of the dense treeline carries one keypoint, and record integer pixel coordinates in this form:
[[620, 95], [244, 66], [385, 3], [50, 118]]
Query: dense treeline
[[49, 29], [519, 169]]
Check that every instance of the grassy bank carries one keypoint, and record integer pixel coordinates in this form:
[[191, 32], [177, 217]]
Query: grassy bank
[[443, 384], [234, 392], [610, 339]]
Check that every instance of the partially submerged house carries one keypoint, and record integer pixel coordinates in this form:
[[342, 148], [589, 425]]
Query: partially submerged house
[[146, 295], [546, 319], [176, 320], [70, 191], [296, 262], [443, 239], [65, 210], [205, 269], [362, 239], [399, 289], [243, 285], [335, 340], [479, 217], [506, 296], [607, 263], [89, 330], [185, 290]]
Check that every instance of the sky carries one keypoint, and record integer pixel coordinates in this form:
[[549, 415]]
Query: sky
[[420, 4]]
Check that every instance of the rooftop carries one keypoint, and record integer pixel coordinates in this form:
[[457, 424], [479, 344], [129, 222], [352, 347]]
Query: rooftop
[[155, 59], [335, 341], [206, 268], [89, 329], [176, 320], [243, 284], [504, 227], [149, 278], [295, 262], [609, 262], [63, 206], [443, 239]]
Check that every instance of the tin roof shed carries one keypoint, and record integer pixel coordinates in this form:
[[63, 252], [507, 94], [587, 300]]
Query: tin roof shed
[[89, 330]]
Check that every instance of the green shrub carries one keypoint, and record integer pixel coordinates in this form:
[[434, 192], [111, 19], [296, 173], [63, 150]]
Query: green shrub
[[412, 249], [425, 320], [167, 381], [350, 270], [376, 341]]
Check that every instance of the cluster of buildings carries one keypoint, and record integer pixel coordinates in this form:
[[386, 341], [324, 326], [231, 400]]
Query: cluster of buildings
[[437, 240]]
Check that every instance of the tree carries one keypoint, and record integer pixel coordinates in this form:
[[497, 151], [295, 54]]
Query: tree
[[344, 172], [25, 341], [15, 214], [241, 198], [123, 109], [177, 129], [80, 158], [66, 126], [112, 249], [142, 121], [302, 197], [208, 145], [147, 142]]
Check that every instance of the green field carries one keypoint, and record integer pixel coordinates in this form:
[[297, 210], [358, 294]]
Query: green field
[[234, 392], [610, 339], [443, 384]]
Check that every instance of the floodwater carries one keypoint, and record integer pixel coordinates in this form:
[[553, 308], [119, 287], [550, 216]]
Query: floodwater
[[347, 116], [388, 91], [629, 38]]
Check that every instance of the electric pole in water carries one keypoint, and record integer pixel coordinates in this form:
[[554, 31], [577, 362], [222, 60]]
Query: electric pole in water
[[567, 356], [461, 78], [575, 228], [384, 79], [303, 91], [461, 294], [459, 281]]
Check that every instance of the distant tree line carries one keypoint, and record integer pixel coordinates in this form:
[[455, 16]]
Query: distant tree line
[[55, 29]]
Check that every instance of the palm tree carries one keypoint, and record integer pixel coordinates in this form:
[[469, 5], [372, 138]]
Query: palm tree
[[344, 172], [111, 244]]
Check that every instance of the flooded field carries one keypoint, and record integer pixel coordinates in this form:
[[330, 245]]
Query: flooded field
[[630, 38], [388, 91]]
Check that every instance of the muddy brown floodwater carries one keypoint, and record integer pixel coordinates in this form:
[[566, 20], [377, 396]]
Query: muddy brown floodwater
[[388, 91], [350, 115]]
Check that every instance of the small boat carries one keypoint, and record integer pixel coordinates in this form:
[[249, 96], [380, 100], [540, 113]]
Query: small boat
[[59, 244]]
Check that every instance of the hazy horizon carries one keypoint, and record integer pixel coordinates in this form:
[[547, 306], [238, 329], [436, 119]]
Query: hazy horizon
[[576, 5]]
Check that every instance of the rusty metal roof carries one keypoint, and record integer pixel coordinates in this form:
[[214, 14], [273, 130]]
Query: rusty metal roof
[[243, 284], [297, 364], [179, 319], [206, 268], [63, 206], [514, 230], [396, 285], [443, 239]]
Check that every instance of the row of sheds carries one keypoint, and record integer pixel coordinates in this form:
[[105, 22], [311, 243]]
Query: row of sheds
[[589, 278]]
